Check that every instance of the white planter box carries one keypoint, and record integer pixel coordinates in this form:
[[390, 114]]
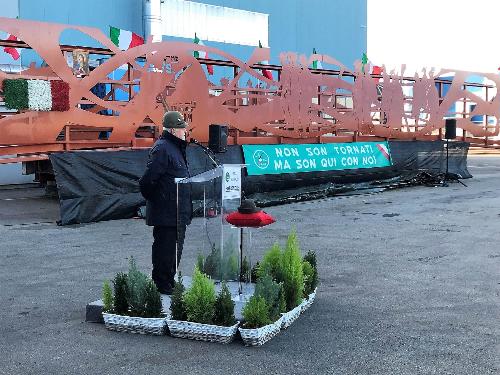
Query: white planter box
[[291, 316], [259, 336], [202, 332], [309, 301], [133, 324]]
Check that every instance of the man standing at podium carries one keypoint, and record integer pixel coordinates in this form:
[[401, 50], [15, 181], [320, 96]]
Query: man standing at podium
[[166, 211]]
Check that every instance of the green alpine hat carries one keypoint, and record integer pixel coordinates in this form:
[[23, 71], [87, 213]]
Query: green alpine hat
[[173, 120]]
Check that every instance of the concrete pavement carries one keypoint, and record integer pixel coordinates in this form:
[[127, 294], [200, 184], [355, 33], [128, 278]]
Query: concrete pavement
[[410, 284]]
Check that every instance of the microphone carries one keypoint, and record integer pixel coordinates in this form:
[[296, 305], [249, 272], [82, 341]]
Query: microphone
[[207, 151]]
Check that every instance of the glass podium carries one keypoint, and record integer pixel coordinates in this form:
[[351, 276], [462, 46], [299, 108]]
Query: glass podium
[[211, 242]]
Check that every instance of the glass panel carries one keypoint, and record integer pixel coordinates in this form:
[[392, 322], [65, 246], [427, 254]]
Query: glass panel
[[214, 242]]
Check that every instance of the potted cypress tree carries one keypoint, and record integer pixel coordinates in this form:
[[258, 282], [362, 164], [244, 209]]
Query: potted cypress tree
[[199, 314], [135, 306], [286, 268], [309, 268], [262, 313]]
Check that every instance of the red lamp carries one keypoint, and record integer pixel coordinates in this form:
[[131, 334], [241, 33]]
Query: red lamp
[[249, 216]]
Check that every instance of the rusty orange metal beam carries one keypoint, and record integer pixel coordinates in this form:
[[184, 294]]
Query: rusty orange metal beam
[[297, 105]]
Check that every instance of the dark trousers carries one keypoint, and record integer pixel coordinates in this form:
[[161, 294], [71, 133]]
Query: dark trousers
[[163, 254]]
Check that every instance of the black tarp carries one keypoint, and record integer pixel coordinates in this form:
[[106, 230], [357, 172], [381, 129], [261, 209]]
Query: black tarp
[[103, 185]]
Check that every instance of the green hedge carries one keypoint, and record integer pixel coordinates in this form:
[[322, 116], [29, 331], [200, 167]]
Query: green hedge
[[15, 93]]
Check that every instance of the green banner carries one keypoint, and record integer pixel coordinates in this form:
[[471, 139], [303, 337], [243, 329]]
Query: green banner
[[295, 158]]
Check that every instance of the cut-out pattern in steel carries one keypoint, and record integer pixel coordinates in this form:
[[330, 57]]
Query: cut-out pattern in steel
[[299, 105]]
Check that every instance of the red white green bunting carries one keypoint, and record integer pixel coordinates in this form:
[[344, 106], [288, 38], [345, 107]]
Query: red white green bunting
[[373, 69], [316, 63], [202, 54], [14, 52], [266, 73], [124, 39], [36, 94]]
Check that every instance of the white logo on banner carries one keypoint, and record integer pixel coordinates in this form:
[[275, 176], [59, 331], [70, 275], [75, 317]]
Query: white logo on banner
[[231, 182], [261, 159]]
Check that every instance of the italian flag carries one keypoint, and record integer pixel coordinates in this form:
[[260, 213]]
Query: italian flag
[[124, 39], [36, 94], [384, 150], [316, 63], [374, 69], [202, 54], [14, 52], [266, 73]]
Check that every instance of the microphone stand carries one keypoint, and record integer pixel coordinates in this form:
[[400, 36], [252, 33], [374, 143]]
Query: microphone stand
[[207, 152]]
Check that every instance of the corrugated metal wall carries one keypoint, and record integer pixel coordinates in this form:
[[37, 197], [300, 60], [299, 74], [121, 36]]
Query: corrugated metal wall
[[333, 27]]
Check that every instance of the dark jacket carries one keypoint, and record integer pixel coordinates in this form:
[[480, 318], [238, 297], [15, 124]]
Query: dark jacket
[[167, 161]]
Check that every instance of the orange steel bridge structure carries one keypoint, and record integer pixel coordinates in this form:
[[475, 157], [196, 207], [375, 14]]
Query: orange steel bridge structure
[[298, 105]]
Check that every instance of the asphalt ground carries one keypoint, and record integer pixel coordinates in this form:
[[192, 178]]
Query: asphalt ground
[[410, 284]]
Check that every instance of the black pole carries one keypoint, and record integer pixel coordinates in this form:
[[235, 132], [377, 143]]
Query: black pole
[[445, 179], [447, 158], [241, 262]]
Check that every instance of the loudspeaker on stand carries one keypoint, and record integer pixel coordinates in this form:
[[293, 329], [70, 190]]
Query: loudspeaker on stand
[[450, 128], [217, 138]]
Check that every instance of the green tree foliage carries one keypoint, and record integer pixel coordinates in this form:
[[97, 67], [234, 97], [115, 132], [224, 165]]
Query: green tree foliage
[[245, 271], [200, 299], [211, 265], [293, 277], [177, 306], [200, 262], [224, 308], [310, 257], [272, 263], [256, 313], [221, 266], [254, 274], [120, 303], [136, 282], [152, 301], [268, 289], [282, 300], [308, 271], [230, 267], [107, 297]]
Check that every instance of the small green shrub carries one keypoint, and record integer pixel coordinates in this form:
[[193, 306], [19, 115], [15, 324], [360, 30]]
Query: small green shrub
[[245, 271], [256, 313], [272, 263], [293, 276], [120, 303], [211, 266], [152, 301], [135, 294], [220, 265], [254, 274], [177, 306], [310, 257], [200, 299], [107, 297], [270, 291], [200, 262], [230, 267], [308, 272], [136, 282], [224, 308], [282, 300]]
